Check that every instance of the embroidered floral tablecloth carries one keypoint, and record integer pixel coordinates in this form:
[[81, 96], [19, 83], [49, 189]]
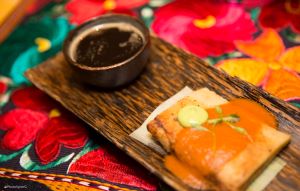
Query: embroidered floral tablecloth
[[44, 147]]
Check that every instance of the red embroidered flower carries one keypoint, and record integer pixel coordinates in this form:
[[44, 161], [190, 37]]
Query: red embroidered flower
[[21, 125], [38, 117], [203, 27], [63, 130], [82, 10], [112, 165], [280, 14]]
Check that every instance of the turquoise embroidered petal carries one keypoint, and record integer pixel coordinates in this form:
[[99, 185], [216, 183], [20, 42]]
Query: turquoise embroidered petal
[[20, 52]]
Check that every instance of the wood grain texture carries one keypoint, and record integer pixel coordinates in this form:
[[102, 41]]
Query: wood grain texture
[[116, 113]]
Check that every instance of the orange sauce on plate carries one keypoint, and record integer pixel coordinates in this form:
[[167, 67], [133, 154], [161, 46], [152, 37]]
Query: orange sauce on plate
[[200, 153]]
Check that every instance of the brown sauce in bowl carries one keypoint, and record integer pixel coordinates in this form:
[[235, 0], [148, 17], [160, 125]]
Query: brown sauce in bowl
[[107, 47]]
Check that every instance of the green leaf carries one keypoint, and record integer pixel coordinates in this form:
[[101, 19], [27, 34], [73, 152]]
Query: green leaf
[[215, 121], [19, 53], [296, 104], [4, 158], [147, 15], [238, 129], [219, 110], [158, 3], [200, 128], [28, 164], [290, 35], [254, 13], [232, 118]]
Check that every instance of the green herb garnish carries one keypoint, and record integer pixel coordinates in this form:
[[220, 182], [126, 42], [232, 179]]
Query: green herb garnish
[[240, 130], [237, 128], [233, 118], [230, 120], [219, 110], [200, 128], [193, 116]]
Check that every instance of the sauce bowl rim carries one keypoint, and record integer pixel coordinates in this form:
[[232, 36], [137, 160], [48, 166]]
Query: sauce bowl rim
[[72, 34]]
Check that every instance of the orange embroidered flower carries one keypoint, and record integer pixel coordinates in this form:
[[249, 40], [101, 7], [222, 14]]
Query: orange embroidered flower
[[271, 66]]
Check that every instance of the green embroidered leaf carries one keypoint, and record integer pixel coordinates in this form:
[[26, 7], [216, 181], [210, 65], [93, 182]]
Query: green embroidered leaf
[[4, 158], [296, 104], [28, 164], [147, 15], [254, 13], [19, 53], [158, 3], [290, 35]]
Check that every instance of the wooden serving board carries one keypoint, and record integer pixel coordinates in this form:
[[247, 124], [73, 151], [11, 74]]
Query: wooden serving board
[[117, 113]]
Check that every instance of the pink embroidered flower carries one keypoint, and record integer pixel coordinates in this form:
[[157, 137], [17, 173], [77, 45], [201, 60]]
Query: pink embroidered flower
[[280, 14], [82, 10], [204, 28], [38, 117]]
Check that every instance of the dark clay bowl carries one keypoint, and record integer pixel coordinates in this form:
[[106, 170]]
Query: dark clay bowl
[[113, 75]]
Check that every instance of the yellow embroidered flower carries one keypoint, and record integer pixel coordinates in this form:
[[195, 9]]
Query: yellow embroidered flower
[[43, 44], [271, 66], [54, 113]]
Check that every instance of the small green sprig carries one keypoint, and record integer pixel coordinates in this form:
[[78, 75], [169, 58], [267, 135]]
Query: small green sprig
[[230, 120], [233, 118], [240, 130], [193, 116], [199, 127]]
